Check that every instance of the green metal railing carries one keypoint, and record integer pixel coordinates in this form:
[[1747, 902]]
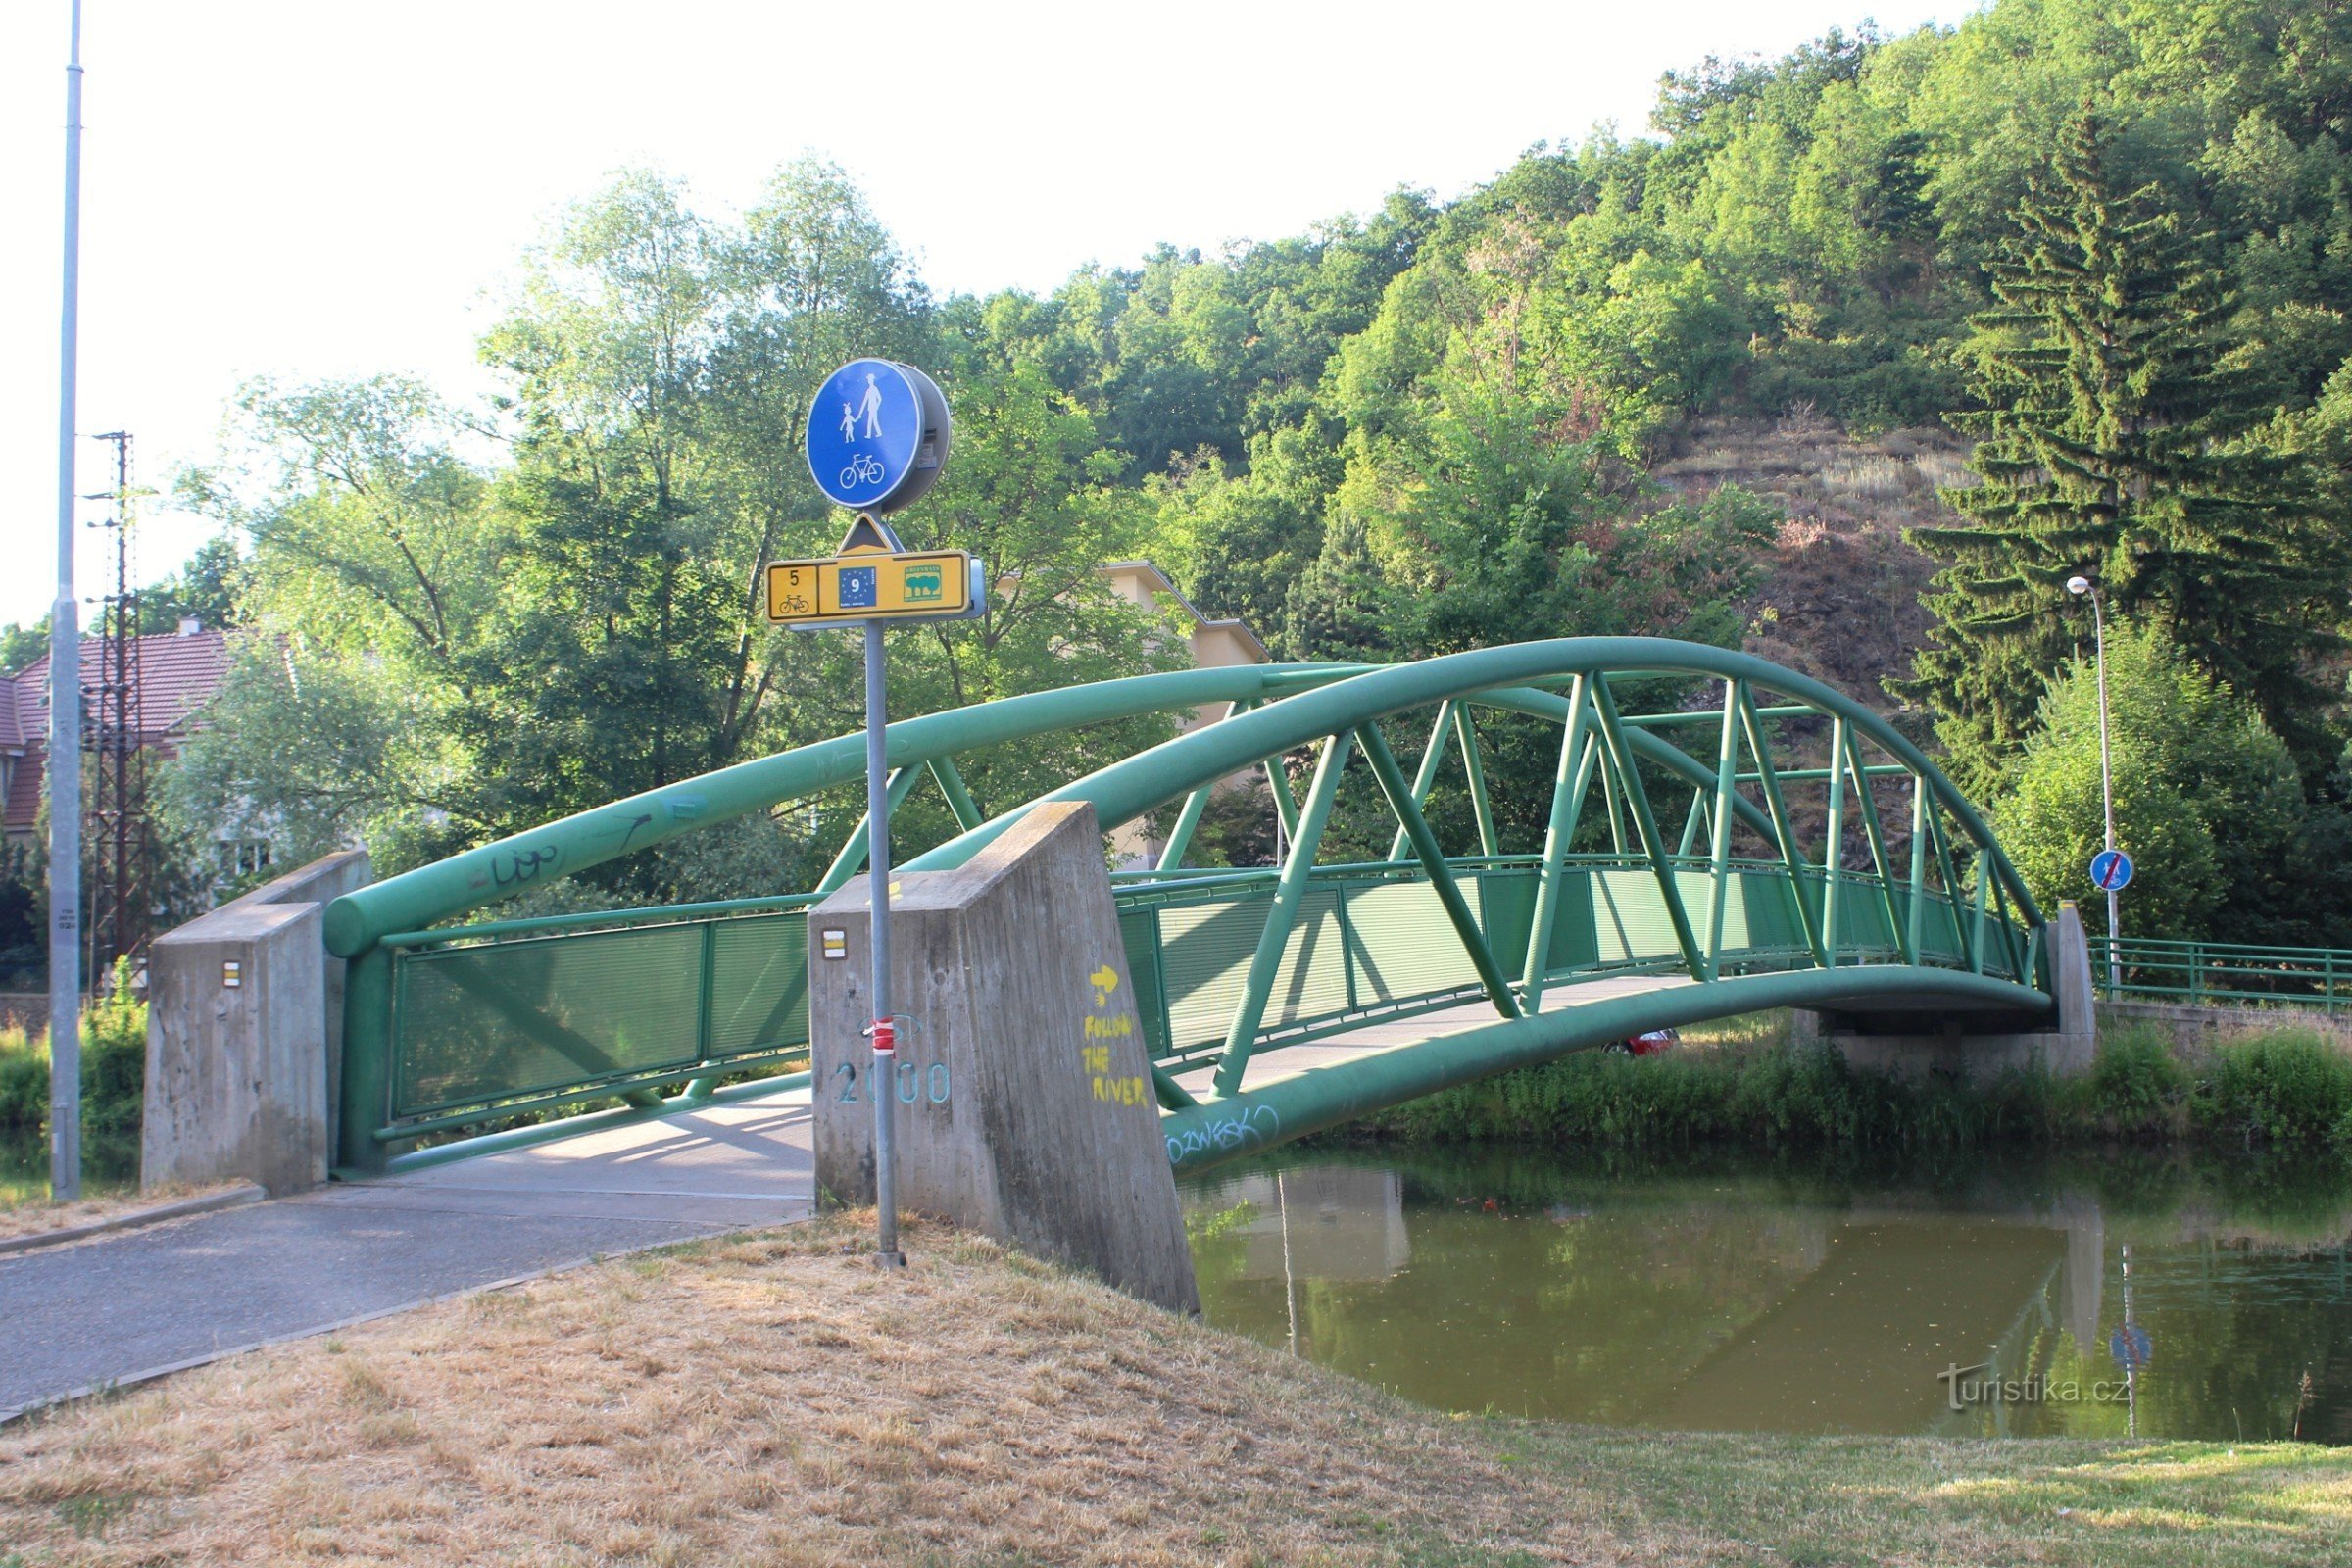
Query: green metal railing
[[489, 1021], [2202, 974], [1369, 942], [494, 1019]]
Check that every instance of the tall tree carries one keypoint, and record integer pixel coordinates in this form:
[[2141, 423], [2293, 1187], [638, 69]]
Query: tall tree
[[2117, 439]]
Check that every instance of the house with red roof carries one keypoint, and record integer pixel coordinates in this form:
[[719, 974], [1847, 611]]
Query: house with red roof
[[180, 672]]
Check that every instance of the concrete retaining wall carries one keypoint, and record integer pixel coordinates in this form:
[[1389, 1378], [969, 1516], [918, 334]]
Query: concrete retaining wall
[[1024, 1106], [2195, 1025], [243, 1005]]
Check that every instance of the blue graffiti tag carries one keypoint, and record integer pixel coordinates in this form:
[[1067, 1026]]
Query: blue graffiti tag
[[1254, 1128]]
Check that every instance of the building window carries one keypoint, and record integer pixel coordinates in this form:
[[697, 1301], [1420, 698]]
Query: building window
[[243, 857]]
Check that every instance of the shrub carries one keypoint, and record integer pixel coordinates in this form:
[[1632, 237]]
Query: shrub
[[2291, 1088], [2288, 1087], [2138, 1085], [24, 1079], [114, 1066]]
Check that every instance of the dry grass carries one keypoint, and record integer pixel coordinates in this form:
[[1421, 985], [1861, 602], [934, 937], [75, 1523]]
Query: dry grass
[[1841, 604], [772, 1399], [25, 1219]]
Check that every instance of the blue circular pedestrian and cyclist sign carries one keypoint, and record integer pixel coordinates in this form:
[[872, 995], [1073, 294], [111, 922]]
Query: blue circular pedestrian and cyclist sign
[[877, 435], [2111, 870]]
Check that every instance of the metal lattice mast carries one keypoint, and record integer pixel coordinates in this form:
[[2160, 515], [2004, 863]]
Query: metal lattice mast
[[122, 828]]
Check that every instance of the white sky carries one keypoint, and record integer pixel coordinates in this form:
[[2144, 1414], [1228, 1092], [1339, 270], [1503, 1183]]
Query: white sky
[[328, 189]]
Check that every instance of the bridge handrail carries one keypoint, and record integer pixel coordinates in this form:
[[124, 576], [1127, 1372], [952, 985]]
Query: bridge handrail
[[2131, 944], [598, 920]]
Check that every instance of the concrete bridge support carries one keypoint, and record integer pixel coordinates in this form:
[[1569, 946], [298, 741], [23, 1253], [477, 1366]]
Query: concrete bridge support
[[245, 1008], [1023, 1094], [1979, 1049]]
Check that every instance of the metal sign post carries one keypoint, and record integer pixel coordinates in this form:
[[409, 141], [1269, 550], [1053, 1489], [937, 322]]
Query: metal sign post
[[878, 432], [885, 1031]]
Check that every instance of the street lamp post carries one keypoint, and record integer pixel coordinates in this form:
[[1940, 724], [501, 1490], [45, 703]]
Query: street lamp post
[[65, 701], [2085, 588]]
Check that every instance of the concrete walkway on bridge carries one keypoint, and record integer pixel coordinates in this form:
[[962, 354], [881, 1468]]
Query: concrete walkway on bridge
[[1281, 1061], [120, 1308]]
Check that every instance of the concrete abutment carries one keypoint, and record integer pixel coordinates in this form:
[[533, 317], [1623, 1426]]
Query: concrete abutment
[[244, 1028], [1023, 1092], [1979, 1051]]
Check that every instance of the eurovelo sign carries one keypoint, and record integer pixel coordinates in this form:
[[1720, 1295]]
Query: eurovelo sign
[[2111, 870], [878, 436]]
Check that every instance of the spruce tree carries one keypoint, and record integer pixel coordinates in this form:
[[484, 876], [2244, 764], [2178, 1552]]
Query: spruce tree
[[2117, 438]]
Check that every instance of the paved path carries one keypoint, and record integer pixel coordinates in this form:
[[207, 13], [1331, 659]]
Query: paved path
[[120, 1308]]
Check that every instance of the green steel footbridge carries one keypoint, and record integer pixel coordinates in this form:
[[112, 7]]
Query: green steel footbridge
[[1751, 839]]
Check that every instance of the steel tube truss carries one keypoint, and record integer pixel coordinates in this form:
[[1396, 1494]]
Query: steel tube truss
[[1738, 904]]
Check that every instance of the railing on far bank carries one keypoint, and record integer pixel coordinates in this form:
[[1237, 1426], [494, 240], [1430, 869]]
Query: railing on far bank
[[2207, 974]]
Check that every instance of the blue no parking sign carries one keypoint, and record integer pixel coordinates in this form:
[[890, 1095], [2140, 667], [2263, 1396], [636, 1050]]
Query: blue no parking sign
[[2111, 870], [877, 435]]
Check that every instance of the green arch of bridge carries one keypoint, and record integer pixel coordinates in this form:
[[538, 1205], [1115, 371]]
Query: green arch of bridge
[[507, 867], [1129, 789]]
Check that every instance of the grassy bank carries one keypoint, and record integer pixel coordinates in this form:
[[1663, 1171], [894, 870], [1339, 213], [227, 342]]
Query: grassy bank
[[2286, 1090], [772, 1398]]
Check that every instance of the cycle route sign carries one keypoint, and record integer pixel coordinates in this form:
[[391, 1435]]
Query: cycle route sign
[[878, 433]]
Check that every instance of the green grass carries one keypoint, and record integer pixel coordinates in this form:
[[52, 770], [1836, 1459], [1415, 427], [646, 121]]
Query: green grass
[[1868, 1501]]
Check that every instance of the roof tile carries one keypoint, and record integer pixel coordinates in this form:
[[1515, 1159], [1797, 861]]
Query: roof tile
[[178, 675]]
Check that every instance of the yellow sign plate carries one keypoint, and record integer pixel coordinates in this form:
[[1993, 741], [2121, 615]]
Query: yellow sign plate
[[870, 585]]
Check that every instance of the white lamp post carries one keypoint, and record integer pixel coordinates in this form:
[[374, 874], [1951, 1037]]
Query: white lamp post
[[2085, 588]]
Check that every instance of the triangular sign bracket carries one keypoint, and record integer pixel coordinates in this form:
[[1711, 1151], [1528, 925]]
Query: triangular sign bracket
[[868, 534]]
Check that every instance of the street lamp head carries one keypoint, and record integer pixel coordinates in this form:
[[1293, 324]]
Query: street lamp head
[[2078, 585]]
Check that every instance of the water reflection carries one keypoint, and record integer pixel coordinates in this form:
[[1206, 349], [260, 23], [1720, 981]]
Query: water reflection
[[1978, 1301]]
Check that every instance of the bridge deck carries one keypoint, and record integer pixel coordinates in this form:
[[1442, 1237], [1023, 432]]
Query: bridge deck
[[751, 1163], [1270, 1064]]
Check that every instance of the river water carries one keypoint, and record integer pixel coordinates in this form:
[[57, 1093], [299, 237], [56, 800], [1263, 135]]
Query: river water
[[2003, 1296]]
